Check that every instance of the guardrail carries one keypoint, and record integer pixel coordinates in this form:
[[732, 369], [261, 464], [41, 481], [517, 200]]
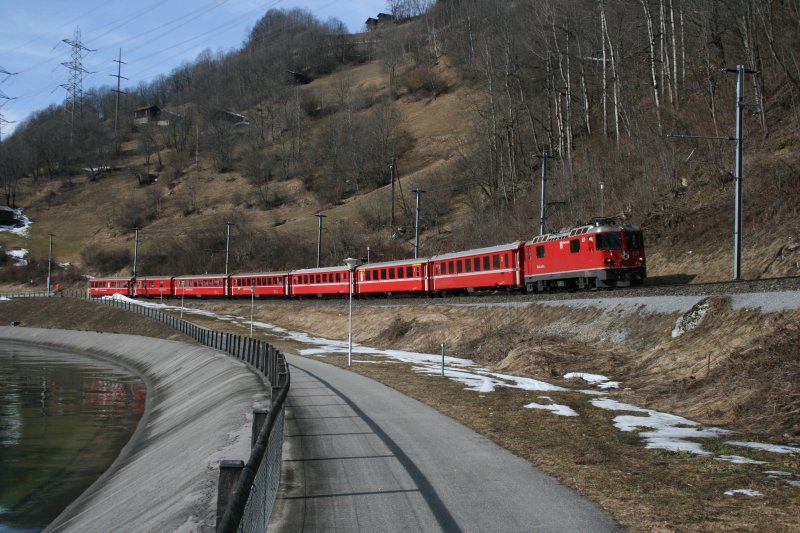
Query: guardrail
[[246, 492]]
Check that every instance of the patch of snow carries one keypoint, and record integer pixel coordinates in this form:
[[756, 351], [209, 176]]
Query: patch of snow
[[561, 410], [745, 492], [690, 320], [774, 448], [777, 473], [21, 226], [792, 482], [18, 256], [667, 432], [739, 460], [64, 265], [595, 379], [4, 299]]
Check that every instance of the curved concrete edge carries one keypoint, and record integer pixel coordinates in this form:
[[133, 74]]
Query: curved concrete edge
[[198, 411]]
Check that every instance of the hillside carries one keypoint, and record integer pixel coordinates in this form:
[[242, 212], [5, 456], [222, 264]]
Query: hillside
[[464, 127]]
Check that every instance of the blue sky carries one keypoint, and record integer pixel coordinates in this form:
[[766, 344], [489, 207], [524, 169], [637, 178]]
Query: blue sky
[[155, 36]]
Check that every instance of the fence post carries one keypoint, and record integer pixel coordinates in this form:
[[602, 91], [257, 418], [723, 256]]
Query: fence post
[[259, 418], [229, 471]]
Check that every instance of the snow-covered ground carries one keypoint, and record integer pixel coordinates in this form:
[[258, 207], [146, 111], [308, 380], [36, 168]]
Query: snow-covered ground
[[21, 228], [658, 430], [18, 256]]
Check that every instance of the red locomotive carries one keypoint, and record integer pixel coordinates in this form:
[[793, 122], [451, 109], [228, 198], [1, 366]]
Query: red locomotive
[[600, 254]]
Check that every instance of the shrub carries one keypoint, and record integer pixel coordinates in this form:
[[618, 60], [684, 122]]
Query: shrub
[[101, 258]]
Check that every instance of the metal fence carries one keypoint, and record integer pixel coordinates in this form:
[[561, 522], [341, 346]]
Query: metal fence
[[246, 492]]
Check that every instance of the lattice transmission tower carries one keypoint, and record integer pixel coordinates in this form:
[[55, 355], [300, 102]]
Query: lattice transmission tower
[[4, 98], [74, 86]]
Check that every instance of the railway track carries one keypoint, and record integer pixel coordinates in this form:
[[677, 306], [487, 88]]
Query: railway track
[[652, 287]]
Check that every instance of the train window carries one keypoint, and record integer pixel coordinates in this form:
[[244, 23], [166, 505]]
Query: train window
[[609, 241], [459, 267], [477, 264], [634, 240], [367, 274], [486, 262], [409, 272], [391, 273], [468, 266], [496, 261], [450, 269], [575, 246], [540, 251], [400, 272]]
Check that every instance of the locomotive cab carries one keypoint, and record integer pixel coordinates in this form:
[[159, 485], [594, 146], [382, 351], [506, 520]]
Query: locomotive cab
[[602, 254], [622, 252]]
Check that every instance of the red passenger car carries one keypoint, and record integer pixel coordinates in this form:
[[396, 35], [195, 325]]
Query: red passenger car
[[153, 287], [199, 286], [407, 276], [110, 286], [260, 284], [600, 254], [319, 281], [484, 268]]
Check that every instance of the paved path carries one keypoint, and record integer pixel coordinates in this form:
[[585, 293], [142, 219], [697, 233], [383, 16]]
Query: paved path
[[360, 456]]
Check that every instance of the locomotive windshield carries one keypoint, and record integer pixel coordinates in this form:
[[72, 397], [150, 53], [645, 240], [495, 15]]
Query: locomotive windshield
[[634, 240], [609, 241]]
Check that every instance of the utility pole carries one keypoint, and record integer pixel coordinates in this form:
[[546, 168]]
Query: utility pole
[[119, 77], [74, 87], [543, 202], [738, 172], [49, 260], [227, 246], [135, 250], [319, 237], [391, 180], [416, 225], [737, 201]]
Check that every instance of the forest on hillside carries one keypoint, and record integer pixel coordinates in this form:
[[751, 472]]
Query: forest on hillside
[[608, 89]]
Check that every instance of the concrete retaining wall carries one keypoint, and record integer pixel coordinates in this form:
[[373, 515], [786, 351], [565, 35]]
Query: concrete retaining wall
[[198, 412]]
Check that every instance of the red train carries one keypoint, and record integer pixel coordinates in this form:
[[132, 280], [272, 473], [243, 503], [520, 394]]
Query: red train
[[600, 254]]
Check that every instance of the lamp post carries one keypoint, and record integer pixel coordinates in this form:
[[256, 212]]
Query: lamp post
[[319, 237], [252, 303], [49, 260], [351, 265]]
